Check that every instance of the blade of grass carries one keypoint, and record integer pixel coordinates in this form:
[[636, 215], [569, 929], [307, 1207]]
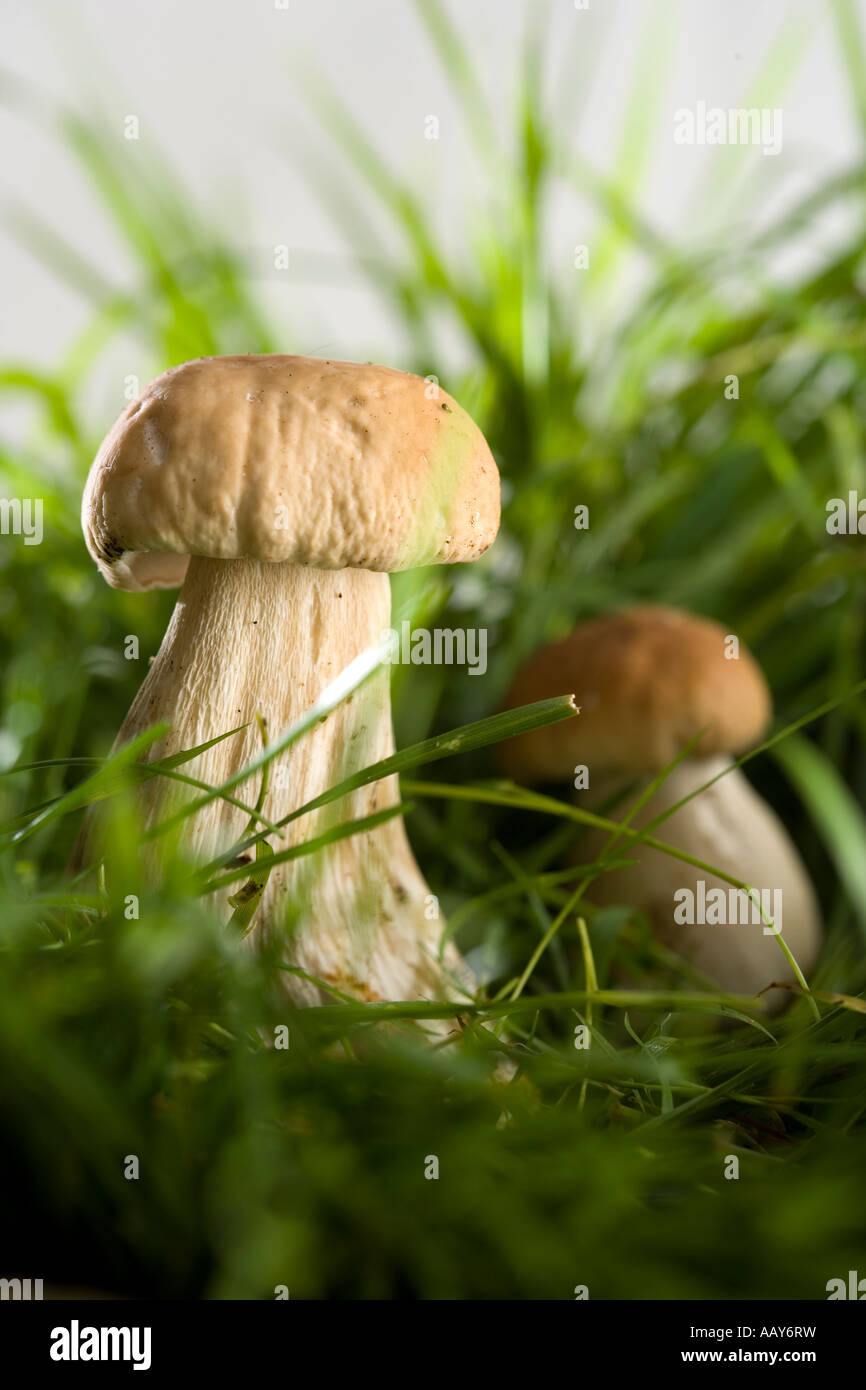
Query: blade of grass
[[853, 51], [835, 812], [467, 739], [285, 856], [104, 783], [349, 680]]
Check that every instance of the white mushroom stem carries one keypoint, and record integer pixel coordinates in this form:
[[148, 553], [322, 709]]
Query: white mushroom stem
[[249, 639], [730, 827]]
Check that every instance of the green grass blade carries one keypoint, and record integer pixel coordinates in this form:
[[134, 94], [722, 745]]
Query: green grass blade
[[111, 777], [285, 856], [355, 674], [835, 812], [468, 739], [853, 52]]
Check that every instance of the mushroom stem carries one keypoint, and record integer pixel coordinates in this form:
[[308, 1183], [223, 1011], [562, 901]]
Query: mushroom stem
[[249, 638], [730, 827]]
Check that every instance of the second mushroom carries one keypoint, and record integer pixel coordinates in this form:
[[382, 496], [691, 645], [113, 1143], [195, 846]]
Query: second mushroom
[[652, 683]]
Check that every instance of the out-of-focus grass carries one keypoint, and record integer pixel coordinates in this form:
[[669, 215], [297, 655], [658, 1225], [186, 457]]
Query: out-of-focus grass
[[305, 1166]]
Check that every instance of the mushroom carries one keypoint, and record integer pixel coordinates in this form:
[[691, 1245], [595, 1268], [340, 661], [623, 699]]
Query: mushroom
[[280, 492], [648, 680]]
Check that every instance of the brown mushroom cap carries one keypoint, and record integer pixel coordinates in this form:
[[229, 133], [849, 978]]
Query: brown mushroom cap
[[288, 459], [647, 680]]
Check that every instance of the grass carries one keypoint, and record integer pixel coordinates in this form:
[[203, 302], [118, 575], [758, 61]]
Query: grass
[[304, 1165]]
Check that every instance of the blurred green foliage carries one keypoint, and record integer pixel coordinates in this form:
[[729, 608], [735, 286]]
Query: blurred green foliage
[[306, 1166]]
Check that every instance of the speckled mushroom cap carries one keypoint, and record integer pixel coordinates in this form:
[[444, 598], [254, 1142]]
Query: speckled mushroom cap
[[277, 458], [647, 680]]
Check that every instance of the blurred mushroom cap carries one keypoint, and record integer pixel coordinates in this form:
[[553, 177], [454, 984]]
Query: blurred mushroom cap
[[647, 680], [288, 459]]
